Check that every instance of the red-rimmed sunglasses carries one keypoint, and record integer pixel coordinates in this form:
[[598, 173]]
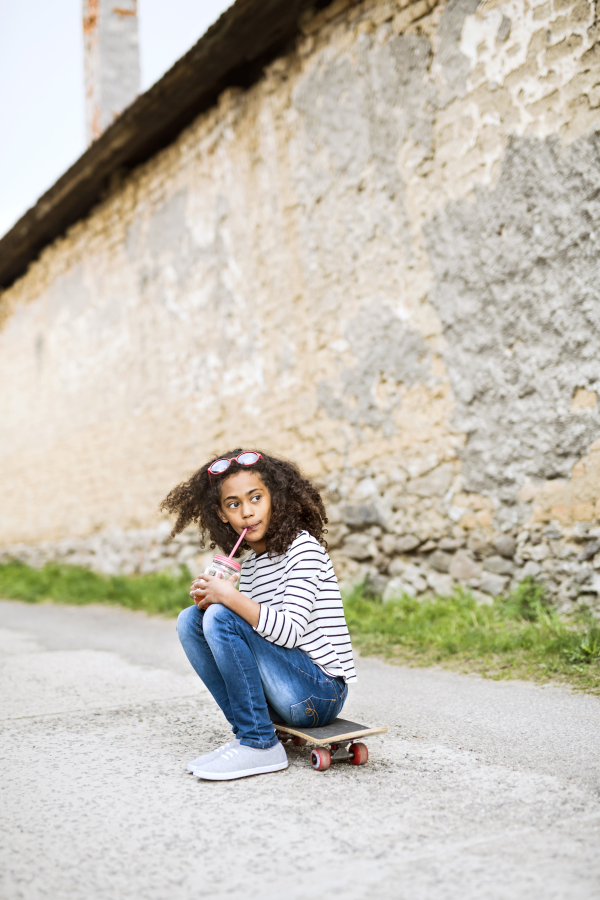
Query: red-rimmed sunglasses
[[247, 458]]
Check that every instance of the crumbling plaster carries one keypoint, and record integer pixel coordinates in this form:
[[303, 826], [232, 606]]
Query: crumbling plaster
[[380, 260], [516, 275]]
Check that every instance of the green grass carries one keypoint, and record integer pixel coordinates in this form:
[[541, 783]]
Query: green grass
[[519, 636], [162, 592]]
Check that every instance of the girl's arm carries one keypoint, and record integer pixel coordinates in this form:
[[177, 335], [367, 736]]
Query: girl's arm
[[285, 625], [208, 589]]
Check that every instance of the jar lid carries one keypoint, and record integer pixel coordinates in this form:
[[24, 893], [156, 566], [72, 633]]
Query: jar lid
[[230, 562]]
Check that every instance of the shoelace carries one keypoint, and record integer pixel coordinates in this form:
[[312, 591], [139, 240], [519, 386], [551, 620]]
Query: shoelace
[[229, 753]]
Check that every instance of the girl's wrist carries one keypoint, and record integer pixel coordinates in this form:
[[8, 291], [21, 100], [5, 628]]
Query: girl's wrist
[[229, 596]]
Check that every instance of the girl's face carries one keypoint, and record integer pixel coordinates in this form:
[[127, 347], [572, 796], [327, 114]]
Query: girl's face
[[246, 503]]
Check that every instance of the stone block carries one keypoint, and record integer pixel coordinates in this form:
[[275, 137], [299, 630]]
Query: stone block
[[498, 565], [478, 544], [360, 515], [366, 488], [440, 561], [581, 531], [427, 547], [451, 543], [335, 535], [584, 575], [443, 585], [589, 550], [410, 574], [493, 584], [594, 584], [406, 543], [531, 569], [388, 544], [506, 545], [464, 567], [360, 547], [539, 552], [396, 568], [434, 484]]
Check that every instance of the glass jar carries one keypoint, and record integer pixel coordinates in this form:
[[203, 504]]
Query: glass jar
[[223, 567]]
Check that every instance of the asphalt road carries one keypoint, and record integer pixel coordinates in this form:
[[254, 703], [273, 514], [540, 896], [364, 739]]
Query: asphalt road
[[480, 789]]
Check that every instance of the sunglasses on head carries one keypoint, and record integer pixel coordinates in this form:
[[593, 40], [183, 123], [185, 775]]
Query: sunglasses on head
[[247, 458]]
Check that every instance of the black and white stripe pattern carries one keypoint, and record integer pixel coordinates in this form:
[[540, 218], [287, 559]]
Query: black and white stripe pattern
[[301, 605]]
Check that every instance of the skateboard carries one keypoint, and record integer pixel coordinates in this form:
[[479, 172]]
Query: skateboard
[[333, 743]]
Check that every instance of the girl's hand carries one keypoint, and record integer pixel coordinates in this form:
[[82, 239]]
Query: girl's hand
[[207, 589]]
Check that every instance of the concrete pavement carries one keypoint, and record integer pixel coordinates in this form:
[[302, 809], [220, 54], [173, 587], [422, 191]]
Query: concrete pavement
[[480, 790]]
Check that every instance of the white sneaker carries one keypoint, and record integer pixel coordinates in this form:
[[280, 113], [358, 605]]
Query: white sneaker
[[240, 761], [201, 760]]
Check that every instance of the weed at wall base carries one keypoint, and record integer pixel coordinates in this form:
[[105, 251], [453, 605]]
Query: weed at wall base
[[518, 636]]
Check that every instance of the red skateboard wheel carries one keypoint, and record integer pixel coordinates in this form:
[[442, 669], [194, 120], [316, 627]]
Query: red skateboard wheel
[[358, 754], [298, 741], [320, 759]]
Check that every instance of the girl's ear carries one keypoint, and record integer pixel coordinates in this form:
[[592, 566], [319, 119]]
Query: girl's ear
[[221, 515]]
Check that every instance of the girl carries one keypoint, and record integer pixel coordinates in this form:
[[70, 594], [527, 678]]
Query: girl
[[281, 640]]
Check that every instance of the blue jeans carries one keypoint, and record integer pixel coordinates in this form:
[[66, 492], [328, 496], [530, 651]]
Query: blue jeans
[[245, 673]]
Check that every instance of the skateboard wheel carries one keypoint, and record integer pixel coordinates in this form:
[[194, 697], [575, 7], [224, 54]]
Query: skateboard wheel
[[298, 741], [358, 754], [320, 759], [334, 747]]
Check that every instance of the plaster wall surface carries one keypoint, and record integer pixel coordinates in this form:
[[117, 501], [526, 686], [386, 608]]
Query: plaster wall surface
[[381, 260]]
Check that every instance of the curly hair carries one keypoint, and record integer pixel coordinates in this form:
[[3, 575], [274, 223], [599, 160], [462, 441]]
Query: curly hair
[[296, 504]]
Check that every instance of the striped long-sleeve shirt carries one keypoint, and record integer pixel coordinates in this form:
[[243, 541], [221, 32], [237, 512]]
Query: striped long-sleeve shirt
[[300, 604]]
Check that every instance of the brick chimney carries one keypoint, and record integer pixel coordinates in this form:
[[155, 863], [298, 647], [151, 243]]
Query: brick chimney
[[112, 62]]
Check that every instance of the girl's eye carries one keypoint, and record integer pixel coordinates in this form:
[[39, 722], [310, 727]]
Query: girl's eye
[[233, 504], [256, 498]]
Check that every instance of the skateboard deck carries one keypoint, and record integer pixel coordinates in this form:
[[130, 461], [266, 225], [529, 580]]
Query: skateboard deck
[[340, 735], [337, 731]]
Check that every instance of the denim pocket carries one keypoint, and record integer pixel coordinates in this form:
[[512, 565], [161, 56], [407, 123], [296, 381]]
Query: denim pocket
[[312, 712]]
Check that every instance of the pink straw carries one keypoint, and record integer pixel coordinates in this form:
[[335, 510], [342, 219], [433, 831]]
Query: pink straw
[[241, 538]]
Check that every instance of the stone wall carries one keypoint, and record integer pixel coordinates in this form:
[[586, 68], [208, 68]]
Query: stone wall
[[118, 552], [382, 261]]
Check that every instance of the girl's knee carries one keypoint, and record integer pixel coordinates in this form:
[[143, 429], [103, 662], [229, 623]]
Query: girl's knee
[[187, 621], [215, 615]]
